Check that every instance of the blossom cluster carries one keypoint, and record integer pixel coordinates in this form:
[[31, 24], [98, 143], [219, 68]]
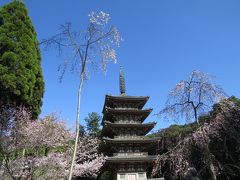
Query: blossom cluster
[[100, 18], [43, 148]]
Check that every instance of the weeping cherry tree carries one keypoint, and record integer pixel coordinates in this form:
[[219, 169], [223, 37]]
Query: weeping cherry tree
[[192, 97]]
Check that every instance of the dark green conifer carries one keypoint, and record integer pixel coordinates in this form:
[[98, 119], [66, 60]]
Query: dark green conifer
[[21, 79]]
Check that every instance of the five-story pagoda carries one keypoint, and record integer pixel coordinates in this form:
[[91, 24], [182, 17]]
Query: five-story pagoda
[[124, 133]]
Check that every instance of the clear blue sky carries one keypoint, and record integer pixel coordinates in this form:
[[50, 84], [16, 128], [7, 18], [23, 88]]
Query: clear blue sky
[[164, 41]]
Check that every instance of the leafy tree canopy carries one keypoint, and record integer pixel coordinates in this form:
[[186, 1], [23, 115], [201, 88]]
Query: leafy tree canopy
[[92, 124], [21, 80], [235, 100]]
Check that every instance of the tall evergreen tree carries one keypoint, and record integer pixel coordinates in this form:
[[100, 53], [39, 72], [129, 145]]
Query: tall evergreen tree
[[21, 79], [93, 124]]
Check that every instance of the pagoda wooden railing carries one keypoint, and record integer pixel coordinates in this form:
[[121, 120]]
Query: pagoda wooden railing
[[127, 122], [130, 154], [129, 137], [123, 108]]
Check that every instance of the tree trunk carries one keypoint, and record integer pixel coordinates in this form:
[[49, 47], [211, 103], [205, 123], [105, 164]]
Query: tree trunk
[[195, 115], [212, 171], [23, 152], [46, 150], [207, 156], [77, 126]]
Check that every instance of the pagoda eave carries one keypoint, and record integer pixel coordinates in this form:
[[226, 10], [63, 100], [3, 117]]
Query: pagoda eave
[[140, 100], [144, 128], [127, 98], [125, 110], [136, 125], [129, 141], [109, 112], [131, 159]]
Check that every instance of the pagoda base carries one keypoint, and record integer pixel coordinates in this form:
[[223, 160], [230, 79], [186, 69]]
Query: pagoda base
[[131, 176], [129, 170]]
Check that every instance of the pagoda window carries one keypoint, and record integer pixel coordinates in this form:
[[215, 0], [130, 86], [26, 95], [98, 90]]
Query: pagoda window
[[130, 133], [140, 148], [121, 150], [139, 168], [141, 175], [121, 136], [131, 168], [122, 176], [134, 133], [122, 168], [131, 118], [138, 132], [129, 149], [137, 149]]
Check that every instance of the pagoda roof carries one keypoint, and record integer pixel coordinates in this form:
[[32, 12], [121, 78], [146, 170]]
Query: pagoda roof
[[128, 110], [141, 140], [126, 97], [123, 159], [143, 112], [144, 127], [140, 100]]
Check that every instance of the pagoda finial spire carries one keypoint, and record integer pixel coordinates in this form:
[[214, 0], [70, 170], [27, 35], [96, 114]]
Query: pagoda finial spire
[[122, 82]]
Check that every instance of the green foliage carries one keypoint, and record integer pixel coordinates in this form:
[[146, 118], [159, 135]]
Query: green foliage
[[183, 130], [235, 100], [21, 80], [82, 131], [205, 118], [106, 175], [93, 124], [150, 136], [180, 130], [216, 109]]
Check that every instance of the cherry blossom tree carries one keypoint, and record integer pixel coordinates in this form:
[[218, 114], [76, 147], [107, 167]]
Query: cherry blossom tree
[[42, 149], [192, 97], [23, 141], [87, 164], [222, 128], [11, 143], [93, 46], [88, 161], [48, 132]]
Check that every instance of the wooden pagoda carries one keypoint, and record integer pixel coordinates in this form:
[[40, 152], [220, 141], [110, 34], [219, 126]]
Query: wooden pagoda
[[124, 133]]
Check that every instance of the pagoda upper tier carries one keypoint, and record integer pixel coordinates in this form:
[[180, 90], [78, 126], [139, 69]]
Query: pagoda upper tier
[[125, 102], [121, 115], [137, 129]]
